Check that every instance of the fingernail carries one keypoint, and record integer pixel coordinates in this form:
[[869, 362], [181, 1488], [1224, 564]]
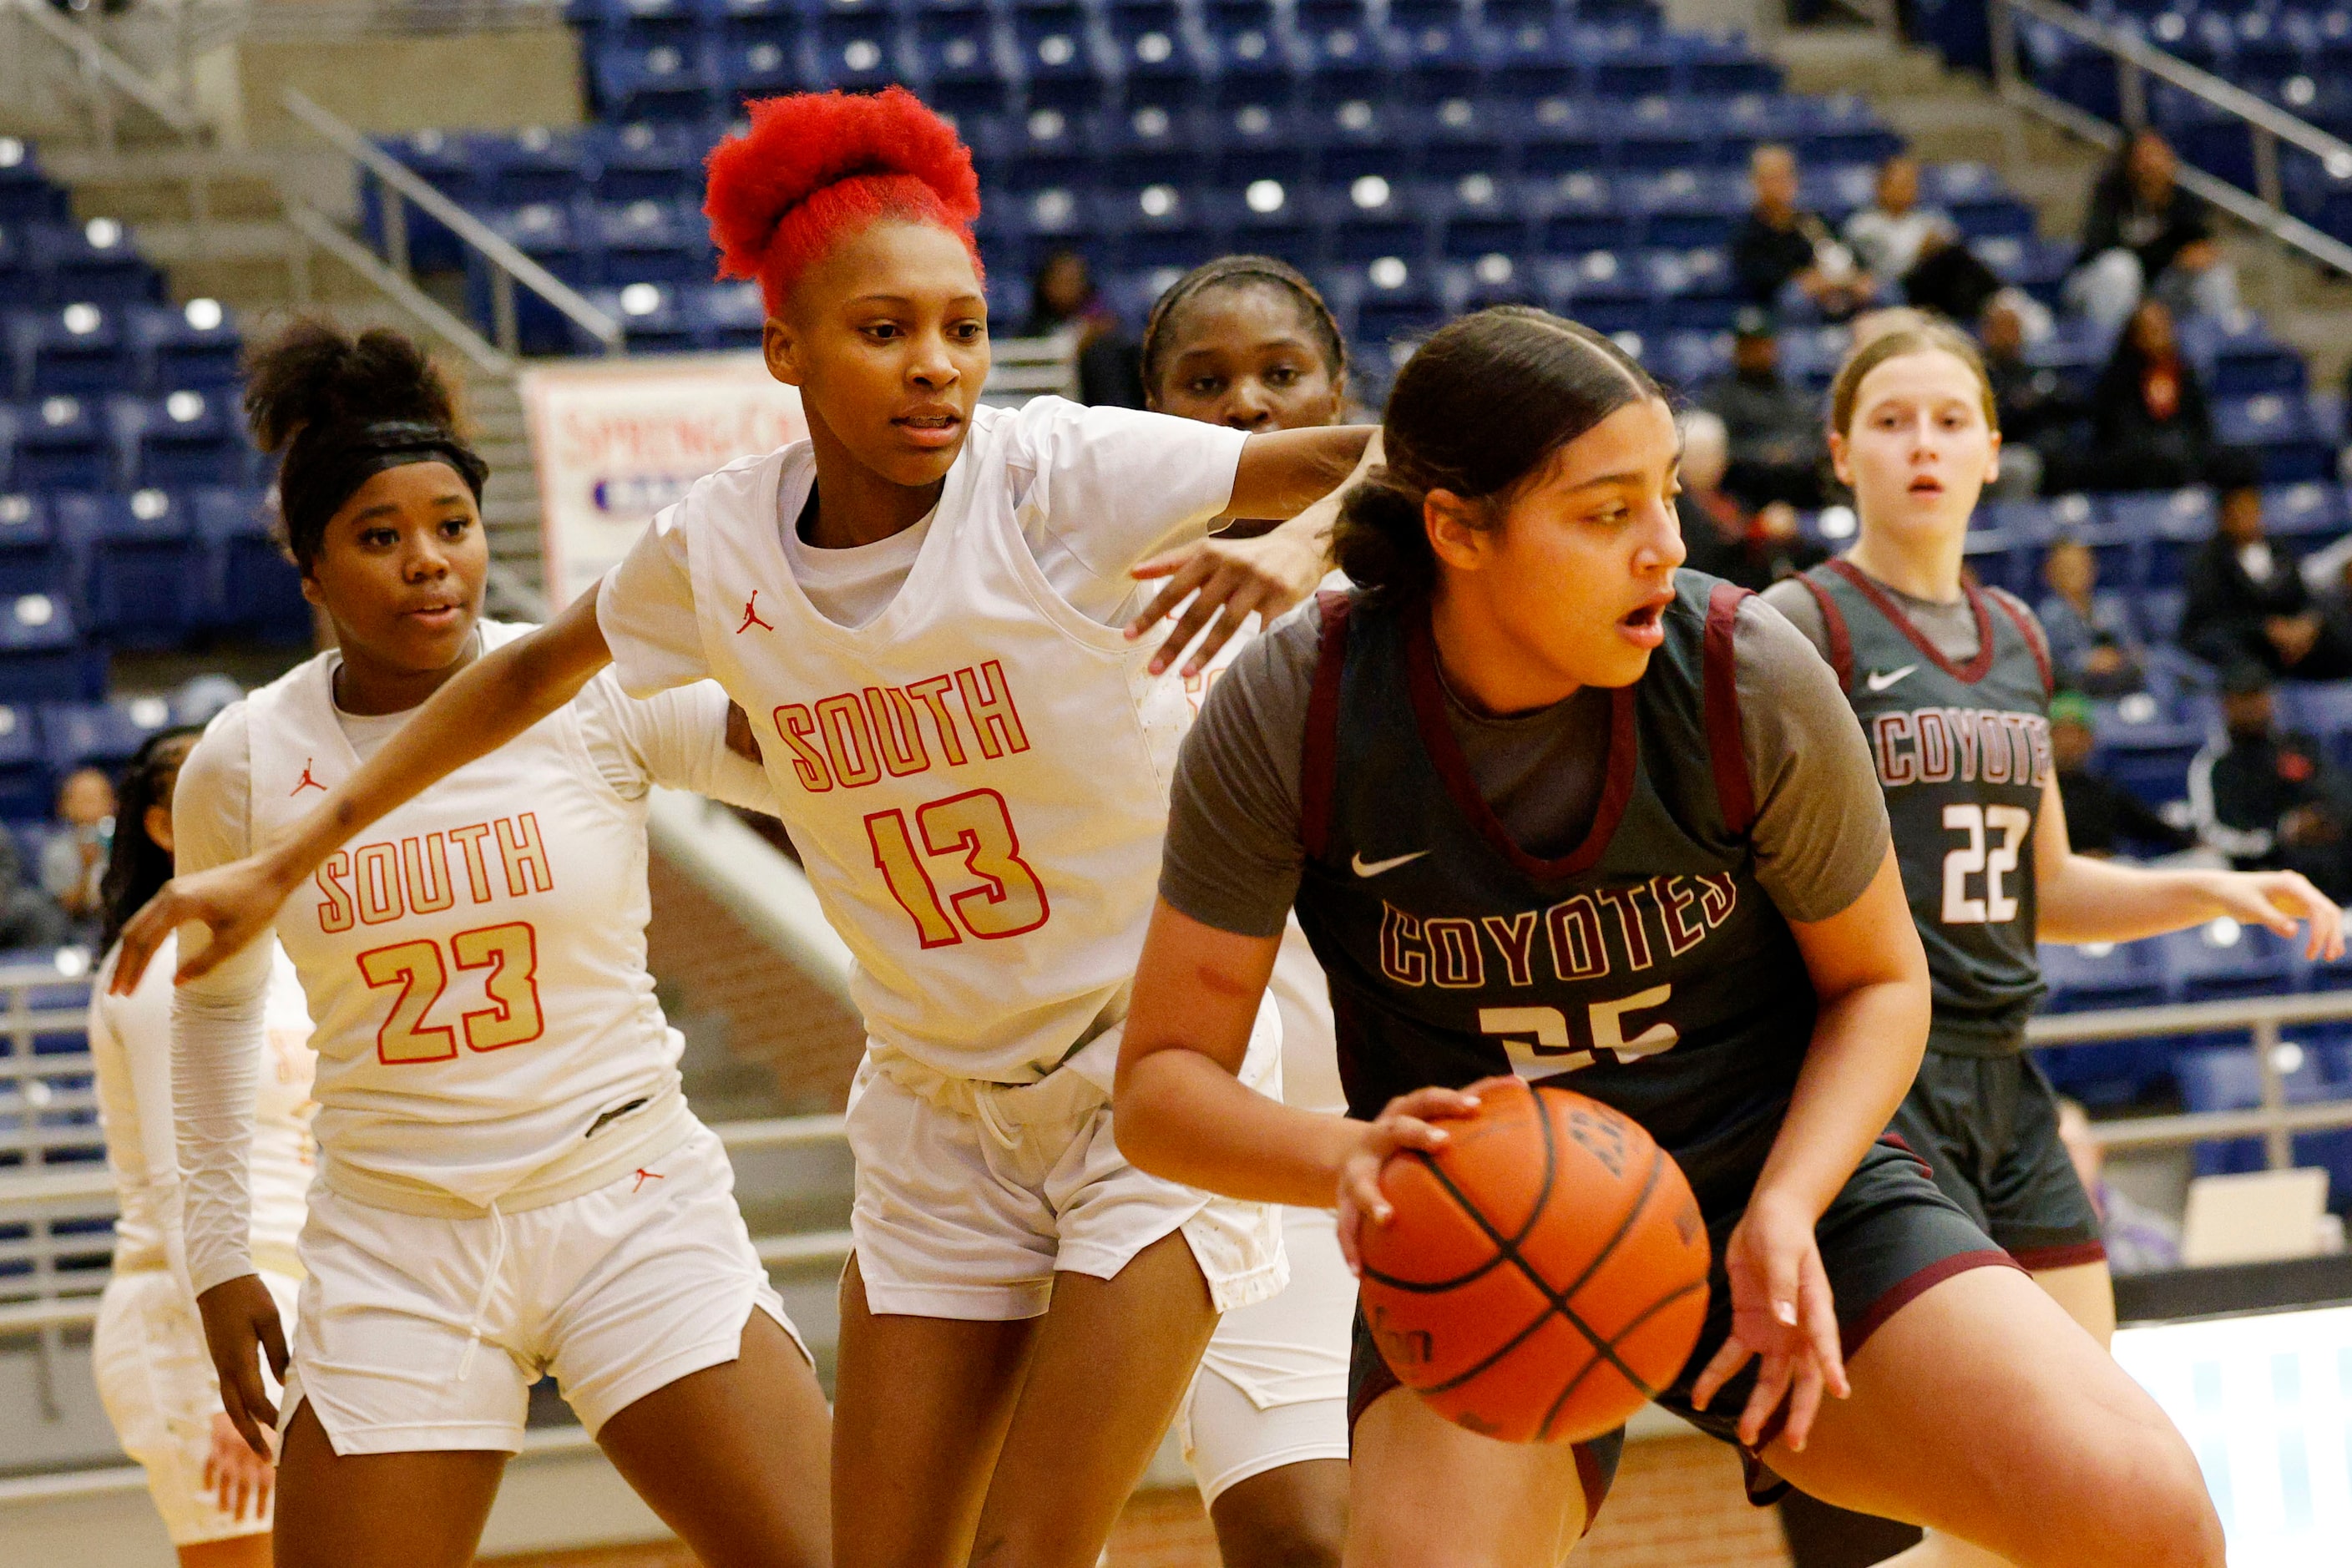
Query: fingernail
[[1785, 1312], [1437, 1135], [1381, 1214]]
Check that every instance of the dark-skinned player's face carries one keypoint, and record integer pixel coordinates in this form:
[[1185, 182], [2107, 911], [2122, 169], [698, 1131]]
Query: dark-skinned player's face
[[401, 567], [887, 337], [1245, 356]]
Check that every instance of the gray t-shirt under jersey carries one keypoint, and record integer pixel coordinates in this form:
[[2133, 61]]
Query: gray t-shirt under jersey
[[1949, 625], [1233, 854]]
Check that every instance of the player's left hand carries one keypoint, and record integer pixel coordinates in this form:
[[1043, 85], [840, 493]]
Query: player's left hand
[[239, 1479], [1408, 1121], [1783, 1314], [1227, 579], [2279, 899]]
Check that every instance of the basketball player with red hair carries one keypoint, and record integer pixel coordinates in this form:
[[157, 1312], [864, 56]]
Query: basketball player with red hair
[[1546, 806], [972, 752]]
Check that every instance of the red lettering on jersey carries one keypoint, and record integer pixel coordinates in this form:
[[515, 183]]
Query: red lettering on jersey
[[896, 732], [1675, 895], [427, 875], [1515, 939], [932, 692], [848, 741], [336, 914], [478, 874], [1625, 904], [377, 872], [797, 727], [1935, 746], [1461, 965], [1404, 957], [1573, 929], [1718, 895], [522, 852], [1887, 731], [990, 709]]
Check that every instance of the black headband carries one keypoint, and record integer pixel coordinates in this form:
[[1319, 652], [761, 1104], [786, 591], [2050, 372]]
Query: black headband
[[326, 466]]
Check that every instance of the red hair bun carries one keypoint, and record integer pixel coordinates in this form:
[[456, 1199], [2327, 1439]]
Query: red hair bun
[[816, 167]]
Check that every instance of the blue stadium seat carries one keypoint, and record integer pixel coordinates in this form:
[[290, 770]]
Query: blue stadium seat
[[1151, 144], [660, 81], [92, 261], [2311, 511], [533, 165], [1479, 214], [744, 22], [1388, 300], [2149, 760], [2099, 975], [1466, 135], [1566, 137], [654, 317], [1372, 218], [958, 57], [248, 585], [196, 344], [182, 438], [556, 236], [2157, 612], [26, 792], [2278, 427], [1159, 226], [441, 161], [79, 349], [99, 734], [31, 561], [61, 443], [41, 658], [649, 162], [652, 242], [2227, 1080], [142, 585], [2223, 957], [1579, 211], [25, 195]]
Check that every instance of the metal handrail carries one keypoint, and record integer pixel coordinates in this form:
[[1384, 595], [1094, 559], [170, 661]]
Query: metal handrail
[[101, 64], [2263, 208], [509, 265]]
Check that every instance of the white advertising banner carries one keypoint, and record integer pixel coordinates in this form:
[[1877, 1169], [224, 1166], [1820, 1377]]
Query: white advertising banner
[[617, 440]]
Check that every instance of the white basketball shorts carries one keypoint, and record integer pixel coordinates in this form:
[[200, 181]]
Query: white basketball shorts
[[155, 1379], [971, 1196], [420, 1332], [1272, 1387]]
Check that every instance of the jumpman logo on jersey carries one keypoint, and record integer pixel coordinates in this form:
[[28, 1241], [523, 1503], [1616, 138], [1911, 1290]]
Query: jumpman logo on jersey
[[307, 781], [645, 1175], [751, 616]]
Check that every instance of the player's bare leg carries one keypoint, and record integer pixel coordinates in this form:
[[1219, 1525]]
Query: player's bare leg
[[921, 1410], [736, 1458], [1295, 1516], [2087, 1292], [422, 1510], [1111, 1363], [1982, 1411], [237, 1551], [1429, 1494]]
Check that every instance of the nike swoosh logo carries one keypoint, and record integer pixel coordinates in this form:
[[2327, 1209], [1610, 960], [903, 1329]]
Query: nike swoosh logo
[[1879, 680], [1374, 868]]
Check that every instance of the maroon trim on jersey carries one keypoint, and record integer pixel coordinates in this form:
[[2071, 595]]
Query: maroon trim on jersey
[[1594, 1478], [2016, 613], [1968, 675], [2065, 1255], [1853, 1336], [1833, 623], [1721, 682], [1445, 752], [1319, 765]]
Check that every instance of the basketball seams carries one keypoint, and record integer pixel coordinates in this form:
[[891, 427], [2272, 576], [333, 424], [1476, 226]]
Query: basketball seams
[[1504, 1248], [1544, 1427]]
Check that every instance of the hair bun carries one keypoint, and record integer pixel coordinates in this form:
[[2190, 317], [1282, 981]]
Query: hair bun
[[1379, 541], [315, 373], [805, 144]]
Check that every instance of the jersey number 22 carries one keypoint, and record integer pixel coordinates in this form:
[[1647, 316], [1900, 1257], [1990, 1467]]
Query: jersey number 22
[[1981, 853]]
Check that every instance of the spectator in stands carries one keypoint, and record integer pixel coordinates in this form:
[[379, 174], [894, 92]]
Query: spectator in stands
[[2138, 1240], [1063, 298], [2103, 818], [2145, 234], [1888, 236], [2268, 799], [74, 859], [2248, 603], [1783, 250], [1949, 279], [28, 917], [2151, 428], [2035, 410], [2093, 647], [1754, 547], [1777, 449]]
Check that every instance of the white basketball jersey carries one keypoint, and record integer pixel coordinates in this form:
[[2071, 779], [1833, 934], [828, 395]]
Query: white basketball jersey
[[282, 1156], [475, 963], [976, 779]]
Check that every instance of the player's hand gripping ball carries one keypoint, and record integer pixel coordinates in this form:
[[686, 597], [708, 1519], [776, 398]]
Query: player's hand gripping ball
[[1544, 1274]]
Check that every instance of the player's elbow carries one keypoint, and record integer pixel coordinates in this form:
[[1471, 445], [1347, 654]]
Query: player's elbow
[[1140, 1113]]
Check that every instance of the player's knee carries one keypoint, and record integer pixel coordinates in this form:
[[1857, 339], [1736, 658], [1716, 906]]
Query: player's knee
[[1297, 1542], [2162, 1517]]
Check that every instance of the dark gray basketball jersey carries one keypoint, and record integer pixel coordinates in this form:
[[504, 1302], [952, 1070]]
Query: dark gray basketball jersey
[[1963, 755]]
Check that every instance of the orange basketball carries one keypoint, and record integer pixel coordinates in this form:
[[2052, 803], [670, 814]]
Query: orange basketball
[[1544, 1274]]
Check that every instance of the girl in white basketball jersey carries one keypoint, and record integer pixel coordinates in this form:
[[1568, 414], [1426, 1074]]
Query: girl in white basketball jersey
[[922, 606], [510, 1183], [154, 1375], [1247, 342]]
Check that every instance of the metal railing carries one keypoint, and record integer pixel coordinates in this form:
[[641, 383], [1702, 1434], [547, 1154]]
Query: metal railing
[[400, 188], [104, 79], [2136, 61]]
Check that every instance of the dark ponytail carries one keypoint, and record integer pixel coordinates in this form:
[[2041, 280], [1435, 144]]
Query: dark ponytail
[[1477, 410], [137, 867], [337, 411]]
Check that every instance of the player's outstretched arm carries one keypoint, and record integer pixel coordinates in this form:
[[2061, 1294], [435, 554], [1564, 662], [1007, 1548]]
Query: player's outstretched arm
[[1294, 473], [484, 706], [2081, 898], [1870, 976]]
